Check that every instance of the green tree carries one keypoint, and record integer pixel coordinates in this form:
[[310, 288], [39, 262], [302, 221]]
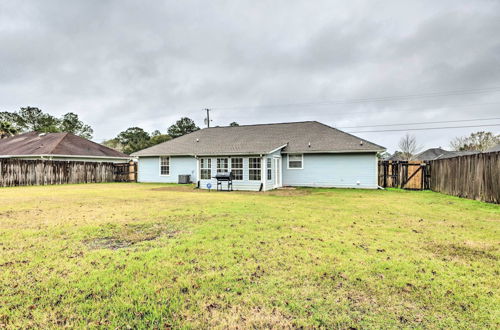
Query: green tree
[[234, 124], [157, 138], [113, 144], [32, 119], [182, 127], [134, 139], [479, 141], [72, 124], [7, 129]]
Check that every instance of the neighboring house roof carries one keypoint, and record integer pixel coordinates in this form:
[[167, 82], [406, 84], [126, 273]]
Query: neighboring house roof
[[46, 144], [262, 139], [494, 148], [438, 153], [432, 153], [397, 155]]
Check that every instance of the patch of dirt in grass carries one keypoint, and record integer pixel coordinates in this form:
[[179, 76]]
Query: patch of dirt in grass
[[461, 251], [131, 234], [254, 318], [186, 188]]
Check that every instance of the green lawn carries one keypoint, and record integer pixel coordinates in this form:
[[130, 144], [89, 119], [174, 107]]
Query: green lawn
[[140, 255]]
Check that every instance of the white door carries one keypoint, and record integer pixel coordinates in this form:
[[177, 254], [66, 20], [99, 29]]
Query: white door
[[277, 172]]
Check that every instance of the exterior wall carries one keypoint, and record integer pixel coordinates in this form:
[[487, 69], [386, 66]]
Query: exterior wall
[[333, 170], [149, 169], [244, 184], [319, 170]]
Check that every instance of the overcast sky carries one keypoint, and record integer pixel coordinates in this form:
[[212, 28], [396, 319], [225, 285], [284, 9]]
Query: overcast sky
[[119, 64]]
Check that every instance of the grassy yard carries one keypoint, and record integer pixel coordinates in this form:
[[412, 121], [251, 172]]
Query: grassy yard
[[139, 255]]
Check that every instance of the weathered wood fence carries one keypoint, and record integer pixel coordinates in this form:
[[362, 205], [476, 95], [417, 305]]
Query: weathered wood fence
[[18, 172], [473, 176]]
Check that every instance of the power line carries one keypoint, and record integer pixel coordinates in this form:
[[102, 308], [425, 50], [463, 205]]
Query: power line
[[423, 122], [374, 99], [422, 128], [422, 109]]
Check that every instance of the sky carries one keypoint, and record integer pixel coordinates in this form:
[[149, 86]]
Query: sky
[[120, 64]]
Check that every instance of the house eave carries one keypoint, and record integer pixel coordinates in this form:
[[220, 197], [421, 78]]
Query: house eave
[[65, 156], [332, 151]]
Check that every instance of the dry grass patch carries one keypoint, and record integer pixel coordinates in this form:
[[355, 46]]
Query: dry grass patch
[[130, 234]]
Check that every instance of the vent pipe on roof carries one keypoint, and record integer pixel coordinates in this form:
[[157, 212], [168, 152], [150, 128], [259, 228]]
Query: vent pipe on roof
[[360, 143], [309, 144], [197, 140]]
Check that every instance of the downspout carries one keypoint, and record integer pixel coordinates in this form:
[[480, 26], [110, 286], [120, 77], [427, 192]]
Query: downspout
[[262, 174]]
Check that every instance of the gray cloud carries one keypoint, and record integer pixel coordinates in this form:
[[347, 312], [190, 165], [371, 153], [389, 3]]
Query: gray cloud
[[128, 63]]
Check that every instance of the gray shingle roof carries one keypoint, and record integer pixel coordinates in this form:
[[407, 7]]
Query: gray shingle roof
[[35, 144], [262, 139], [438, 153], [494, 148]]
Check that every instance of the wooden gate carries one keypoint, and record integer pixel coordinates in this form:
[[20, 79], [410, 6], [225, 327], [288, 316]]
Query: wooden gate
[[413, 175], [125, 172]]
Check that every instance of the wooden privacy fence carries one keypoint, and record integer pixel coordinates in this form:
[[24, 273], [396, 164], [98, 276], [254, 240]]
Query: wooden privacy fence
[[412, 175], [20, 172], [474, 176]]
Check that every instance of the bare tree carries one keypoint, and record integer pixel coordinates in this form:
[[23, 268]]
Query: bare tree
[[479, 141], [409, 147]]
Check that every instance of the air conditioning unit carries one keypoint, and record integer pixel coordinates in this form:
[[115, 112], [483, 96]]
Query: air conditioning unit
[[184, 178]]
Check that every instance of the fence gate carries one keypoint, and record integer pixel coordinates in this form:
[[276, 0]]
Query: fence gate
[[412, 175], [125, 172]]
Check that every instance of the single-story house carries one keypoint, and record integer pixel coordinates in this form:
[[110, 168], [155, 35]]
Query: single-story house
[[58, 146], [264, 157]]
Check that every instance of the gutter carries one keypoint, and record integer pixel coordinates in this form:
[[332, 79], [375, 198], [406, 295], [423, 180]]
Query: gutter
[[259, 153]]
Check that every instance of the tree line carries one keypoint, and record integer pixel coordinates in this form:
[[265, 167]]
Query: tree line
[[135, 138], [478, 141], [32, 119]]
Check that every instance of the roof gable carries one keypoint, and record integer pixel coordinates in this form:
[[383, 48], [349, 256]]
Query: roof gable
[[296, 137]]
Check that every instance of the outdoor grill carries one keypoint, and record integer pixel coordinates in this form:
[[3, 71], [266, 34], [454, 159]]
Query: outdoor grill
[[224, 177]]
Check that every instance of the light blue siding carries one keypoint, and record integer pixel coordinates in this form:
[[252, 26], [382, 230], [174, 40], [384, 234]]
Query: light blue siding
[[245, 184], [319, 170], [333, 170], [149, 169]]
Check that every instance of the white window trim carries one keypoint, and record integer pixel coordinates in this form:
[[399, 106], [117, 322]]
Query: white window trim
[[207, 168], [255, 169], [295, 168], [169, 165], [228, 161], [242, 168]]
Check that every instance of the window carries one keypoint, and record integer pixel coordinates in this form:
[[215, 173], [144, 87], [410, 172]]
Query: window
[[222, 165], [269, 169], [206, 168], [164, 165], [295, 161], [237, 168], [254, 169]]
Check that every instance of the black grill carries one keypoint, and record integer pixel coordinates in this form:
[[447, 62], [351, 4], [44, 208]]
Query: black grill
[[224, 177]]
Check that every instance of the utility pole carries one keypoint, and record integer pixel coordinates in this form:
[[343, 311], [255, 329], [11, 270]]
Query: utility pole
[[207, 120]]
